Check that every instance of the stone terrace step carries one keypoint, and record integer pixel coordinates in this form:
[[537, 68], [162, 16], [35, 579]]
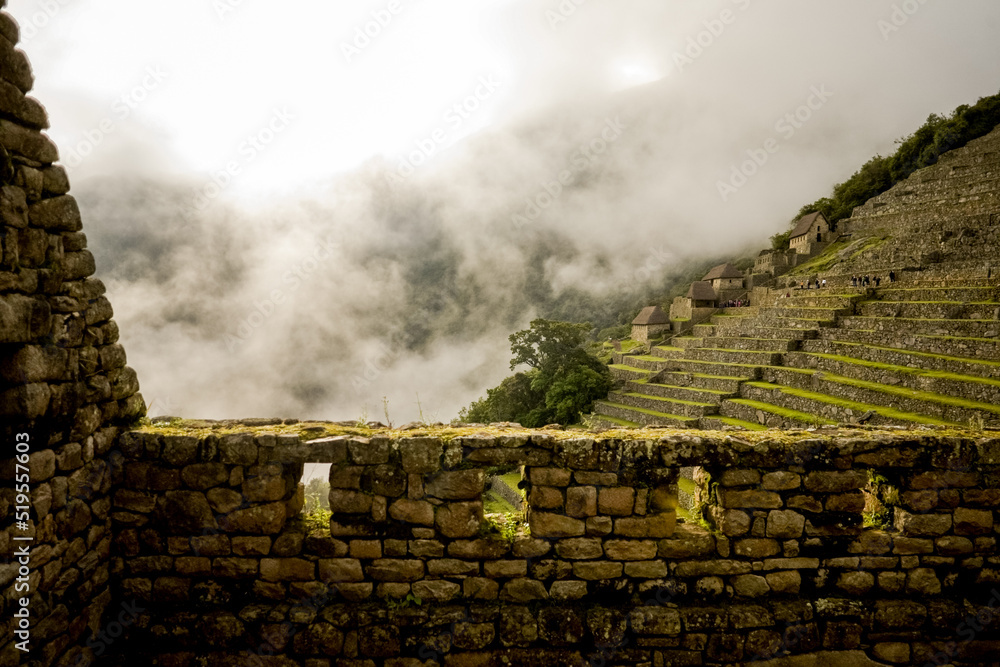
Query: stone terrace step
[[947, 310], [821, 298], [626, 373], [670, 406], [723, 384], [938, 406], [687, 342], [643, 416], [613, 422], [767, 414], [926, 326], [977, 348], [643, 362], [816, 314], [680, 393], [887, 355], [755, 344], [939, 382], [727, 423], [831, 408], [774, 333], [697, 366], [977, 294], [725, 356]]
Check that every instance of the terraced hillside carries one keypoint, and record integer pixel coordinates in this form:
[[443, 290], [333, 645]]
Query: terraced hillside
[[922, 350]]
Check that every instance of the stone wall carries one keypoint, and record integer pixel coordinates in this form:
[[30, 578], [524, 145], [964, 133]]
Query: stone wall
[[65, 391], [221, 571]]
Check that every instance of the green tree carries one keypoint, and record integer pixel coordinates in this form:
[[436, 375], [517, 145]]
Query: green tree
[[938, 135], [562, 382]]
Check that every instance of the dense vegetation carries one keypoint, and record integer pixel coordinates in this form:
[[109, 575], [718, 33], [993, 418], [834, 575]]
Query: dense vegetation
[[562, 381], [938, 135]]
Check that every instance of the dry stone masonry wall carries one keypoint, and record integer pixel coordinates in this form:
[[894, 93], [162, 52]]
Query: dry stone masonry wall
[[65, 392], [209, 546]]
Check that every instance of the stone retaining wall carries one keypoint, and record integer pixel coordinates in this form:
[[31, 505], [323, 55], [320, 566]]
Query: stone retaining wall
[[65, 391], [209, 546]]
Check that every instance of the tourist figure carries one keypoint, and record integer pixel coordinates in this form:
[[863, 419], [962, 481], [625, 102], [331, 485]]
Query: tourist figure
[[824, 283], [892, 276], [878, 280]]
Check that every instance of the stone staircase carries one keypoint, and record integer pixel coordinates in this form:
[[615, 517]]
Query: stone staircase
[[924, 349], [823, 357]]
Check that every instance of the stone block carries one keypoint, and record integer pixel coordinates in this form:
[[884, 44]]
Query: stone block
[[922, 581], [580, 548], [478, 588], [973, 521], [856, 583], [838, 481], [456, 485], [784, 582], [202, 476], [505, 569], [421, 455], [259, 520], [846, 502], [471, 636], [545, 497], [922, 525], [630, 549], [581, 501], [568, 590], [750, 499], [367, 549], [646, 569], [452, 567], [649, 620], [393, 569], [523, 590], [459, 519], [419, 512], [662, 524], [593, 570], [739, 477], [547, 524], [343, 501], [616, 501], [287, 569], [756, 547], [786, 523], [781, 481], [750, 585], [56, 214]]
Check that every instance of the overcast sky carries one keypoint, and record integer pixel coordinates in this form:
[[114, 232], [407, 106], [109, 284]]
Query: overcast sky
[[256, 109]]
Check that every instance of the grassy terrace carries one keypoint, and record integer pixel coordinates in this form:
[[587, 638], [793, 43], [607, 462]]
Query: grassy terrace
[[926, 355], [943, 375], [698, 389], [786, 413], [887, 412], [670, 400]]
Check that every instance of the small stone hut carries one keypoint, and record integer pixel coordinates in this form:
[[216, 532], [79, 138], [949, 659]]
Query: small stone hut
[[702, 295], [724, 277], [650, 322], [811, 228]]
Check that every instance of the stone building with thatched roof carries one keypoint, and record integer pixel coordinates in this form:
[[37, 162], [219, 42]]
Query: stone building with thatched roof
[[702, 295], [810, 229], [650, 322], [724, 277]]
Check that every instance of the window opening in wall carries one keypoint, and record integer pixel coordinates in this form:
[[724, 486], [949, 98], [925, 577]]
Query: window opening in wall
[[686, 495], [316, 483], [504, 502]]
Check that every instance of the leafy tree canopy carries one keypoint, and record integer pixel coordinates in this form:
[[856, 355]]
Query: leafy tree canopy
[[923, 148], [562, 382]]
